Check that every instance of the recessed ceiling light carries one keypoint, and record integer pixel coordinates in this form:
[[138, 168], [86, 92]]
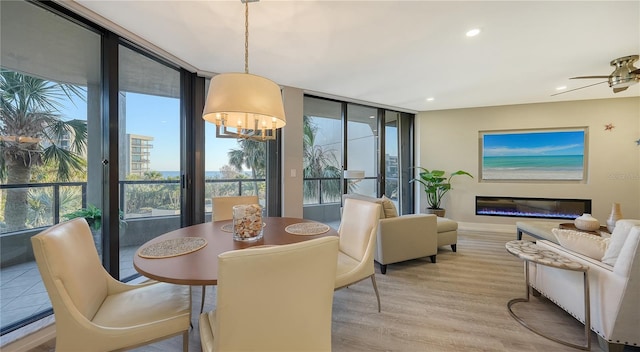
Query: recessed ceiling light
[[473, 32], [430, 99], [561, 88]]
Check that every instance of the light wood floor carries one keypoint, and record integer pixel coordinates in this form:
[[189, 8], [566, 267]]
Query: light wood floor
[[456, 304]]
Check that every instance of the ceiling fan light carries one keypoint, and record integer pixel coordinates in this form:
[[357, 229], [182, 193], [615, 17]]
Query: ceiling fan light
[[624, 75], [617, 82]]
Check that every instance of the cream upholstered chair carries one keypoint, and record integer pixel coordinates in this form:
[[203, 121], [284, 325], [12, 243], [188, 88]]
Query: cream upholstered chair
[[223, 210], [223, 206], [273, 298], [95, 312], [407, 237], [357, 232]]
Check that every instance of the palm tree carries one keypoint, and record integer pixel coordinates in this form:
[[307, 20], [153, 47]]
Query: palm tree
[[251, 154], [31, 128], [319, 163]]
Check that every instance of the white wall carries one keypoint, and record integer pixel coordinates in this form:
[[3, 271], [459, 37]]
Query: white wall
[[448, 140]]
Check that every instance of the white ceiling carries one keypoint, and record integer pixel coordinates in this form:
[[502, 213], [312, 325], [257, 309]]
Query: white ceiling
[[399, 53]]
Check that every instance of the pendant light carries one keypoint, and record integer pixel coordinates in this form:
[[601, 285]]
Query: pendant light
[[242, 105]]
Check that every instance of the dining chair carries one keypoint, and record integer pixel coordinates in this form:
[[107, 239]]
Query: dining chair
[[223, 206], [223, 210], [357, 232], [273, 298], [95, 312]]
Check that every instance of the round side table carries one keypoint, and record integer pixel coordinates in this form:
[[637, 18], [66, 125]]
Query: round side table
[[532, 253]]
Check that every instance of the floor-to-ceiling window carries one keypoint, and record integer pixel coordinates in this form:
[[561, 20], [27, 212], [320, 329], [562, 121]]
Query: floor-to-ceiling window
[[50, 84], [236, 167], [390, 157], [362, 149], [322, 157], [149, 151], [399, 162], [354, 148], [88, 120]]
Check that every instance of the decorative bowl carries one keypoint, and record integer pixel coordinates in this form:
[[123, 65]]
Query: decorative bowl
[[586, 222]]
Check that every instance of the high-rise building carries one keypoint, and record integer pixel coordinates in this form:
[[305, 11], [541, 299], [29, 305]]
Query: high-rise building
[[137, 154]]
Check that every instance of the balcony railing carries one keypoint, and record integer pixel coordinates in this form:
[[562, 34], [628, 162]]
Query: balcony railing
[[322, 190], [64, 197], [139, 197]]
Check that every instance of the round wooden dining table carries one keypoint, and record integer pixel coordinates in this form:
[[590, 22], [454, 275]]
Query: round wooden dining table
[[201, 266]]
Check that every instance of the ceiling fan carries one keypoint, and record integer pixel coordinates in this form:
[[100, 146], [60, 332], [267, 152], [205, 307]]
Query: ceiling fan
[[624, 75]]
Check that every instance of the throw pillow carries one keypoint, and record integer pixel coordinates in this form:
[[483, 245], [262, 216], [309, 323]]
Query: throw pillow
[[619, 235], [389, 208], [586, 244]]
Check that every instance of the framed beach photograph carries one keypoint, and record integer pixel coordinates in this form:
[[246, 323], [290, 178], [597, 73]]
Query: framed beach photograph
[[534, 155]]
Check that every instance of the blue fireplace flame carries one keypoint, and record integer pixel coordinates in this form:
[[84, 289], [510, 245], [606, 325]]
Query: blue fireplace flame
[[549, 208]]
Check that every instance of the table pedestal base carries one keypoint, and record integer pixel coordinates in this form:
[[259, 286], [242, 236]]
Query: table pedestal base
[[587, 329]]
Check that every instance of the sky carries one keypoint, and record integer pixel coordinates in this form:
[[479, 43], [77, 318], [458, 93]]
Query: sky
[[537, 143], [159, 117]]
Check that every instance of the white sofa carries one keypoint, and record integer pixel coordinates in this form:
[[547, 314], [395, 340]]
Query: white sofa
[[614, 289]]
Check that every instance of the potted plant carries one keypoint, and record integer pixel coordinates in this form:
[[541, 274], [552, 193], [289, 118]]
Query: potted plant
[[436, 185], [93, 215]]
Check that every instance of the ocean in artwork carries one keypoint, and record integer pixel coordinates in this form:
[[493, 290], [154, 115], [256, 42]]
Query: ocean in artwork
[[533, 167]]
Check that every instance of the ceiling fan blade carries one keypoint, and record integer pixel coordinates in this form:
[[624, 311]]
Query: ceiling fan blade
[[571, 90], [617, 90], [581, 77]]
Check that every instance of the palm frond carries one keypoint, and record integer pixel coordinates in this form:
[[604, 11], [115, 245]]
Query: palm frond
[[31, 108], [67, 161]]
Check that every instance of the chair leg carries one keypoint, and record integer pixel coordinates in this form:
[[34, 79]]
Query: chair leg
[[375, 288], [185, 340], [383, 268], [433, 258], [453, 247], [204, 289]]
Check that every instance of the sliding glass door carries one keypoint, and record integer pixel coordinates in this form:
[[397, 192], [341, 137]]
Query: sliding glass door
[[362, 149], [397, 156], [148, 153], [50, 143], [354, 148]]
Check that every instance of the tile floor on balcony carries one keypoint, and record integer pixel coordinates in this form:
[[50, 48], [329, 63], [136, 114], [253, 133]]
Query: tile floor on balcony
[[23, 294]]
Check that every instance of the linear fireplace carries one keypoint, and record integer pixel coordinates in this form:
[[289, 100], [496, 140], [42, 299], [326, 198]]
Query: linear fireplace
[[550, 208]]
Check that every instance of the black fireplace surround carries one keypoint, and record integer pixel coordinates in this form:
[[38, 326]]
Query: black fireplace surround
[[549, 208]]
